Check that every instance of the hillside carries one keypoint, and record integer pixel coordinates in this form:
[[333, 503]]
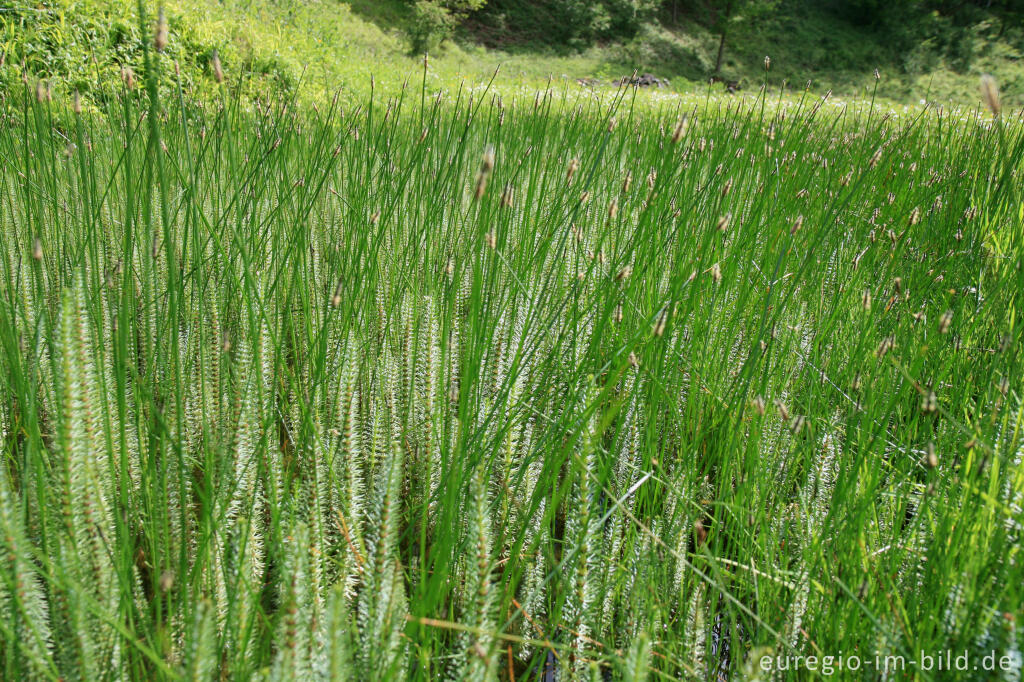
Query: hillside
[[321, 46]]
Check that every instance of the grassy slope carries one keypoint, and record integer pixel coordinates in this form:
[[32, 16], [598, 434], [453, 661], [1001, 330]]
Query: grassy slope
[[340, 44]]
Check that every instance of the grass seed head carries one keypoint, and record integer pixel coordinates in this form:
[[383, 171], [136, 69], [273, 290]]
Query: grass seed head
[[875, 158], [336, 298], [680, 130], [797, 224], [574, 165], [945, 321], [886, 345], [990, 93], [660, 323], [481, 186], [723, 222], [487, 160], [160, 39], [215, 66], [624, 273]]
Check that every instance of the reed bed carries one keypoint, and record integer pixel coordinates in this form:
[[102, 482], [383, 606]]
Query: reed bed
[[461, 386]]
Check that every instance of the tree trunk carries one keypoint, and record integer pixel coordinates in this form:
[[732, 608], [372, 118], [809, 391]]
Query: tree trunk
[[723, 27]]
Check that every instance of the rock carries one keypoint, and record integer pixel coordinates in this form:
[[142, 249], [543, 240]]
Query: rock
[[645, 81]]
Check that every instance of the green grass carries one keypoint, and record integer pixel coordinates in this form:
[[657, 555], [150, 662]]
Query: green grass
[[325, 393], [322, 46]]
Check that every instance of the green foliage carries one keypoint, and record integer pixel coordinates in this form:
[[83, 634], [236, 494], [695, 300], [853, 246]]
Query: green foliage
[[431, 22], [424, 389], [316, 48], [573, 23]]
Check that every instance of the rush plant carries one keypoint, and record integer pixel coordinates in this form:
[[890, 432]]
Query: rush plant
[[389, 393]]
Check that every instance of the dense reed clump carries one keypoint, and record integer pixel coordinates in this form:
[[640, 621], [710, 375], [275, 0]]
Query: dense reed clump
[[494, 387]]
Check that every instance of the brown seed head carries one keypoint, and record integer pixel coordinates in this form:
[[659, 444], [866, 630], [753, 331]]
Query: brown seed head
[[875, 158], [945, 321], [680, 131], [336, 298], [990, 93], [660, 323], [574, 165], [487, 161], [797, 224], [215, 65], [160, 40], [700, 534]]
